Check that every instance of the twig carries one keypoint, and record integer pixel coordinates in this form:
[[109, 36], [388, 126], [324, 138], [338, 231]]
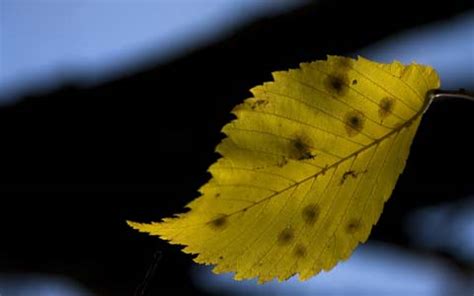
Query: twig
[[142, 288]]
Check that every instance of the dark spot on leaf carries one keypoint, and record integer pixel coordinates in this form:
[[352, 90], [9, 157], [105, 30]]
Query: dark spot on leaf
[[258, 103], [354, 82], [348, 174], [299, 251], [285, 236], [354, 122], [325, 169], [217, 195], [336, 84], [310, 213], [351, 173], [298, 143], [386, 107], [307, 155], [219, 222], [352, 226], [300, 150], [221, 257]]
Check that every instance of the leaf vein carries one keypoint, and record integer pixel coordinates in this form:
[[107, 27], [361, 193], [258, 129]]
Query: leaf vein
[[386, 90], [361, 94], [330, 114], [286, 139], [255, 171]]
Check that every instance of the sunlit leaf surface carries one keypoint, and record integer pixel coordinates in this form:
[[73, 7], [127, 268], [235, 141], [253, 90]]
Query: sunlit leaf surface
[[305, 170]]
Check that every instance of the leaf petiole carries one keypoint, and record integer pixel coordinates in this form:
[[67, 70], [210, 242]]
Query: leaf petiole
[[440, 94]]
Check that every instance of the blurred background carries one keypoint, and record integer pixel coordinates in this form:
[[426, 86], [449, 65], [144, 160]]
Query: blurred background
[[110, 111]]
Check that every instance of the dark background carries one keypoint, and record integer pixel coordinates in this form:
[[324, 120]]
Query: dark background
[[77, 162]]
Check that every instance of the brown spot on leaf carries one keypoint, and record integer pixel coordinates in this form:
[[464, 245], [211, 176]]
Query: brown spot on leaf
[[259, 103], [325, 169], [310, 213], [337, 84], [348, 174], [219, 222], [354, 122], [386, 107], [337, 81], [354, 82], [352, 226], [306, 155], [300, 150], [351, 173], [285, 236], [299, 251]]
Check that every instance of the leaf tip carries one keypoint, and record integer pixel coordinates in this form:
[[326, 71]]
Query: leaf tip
[[134, 225], [142, 227]]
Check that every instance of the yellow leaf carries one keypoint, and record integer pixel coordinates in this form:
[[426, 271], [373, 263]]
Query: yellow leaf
[[305, 170]]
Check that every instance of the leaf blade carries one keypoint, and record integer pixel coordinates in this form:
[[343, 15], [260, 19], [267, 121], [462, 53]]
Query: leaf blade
[[306, 169]]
